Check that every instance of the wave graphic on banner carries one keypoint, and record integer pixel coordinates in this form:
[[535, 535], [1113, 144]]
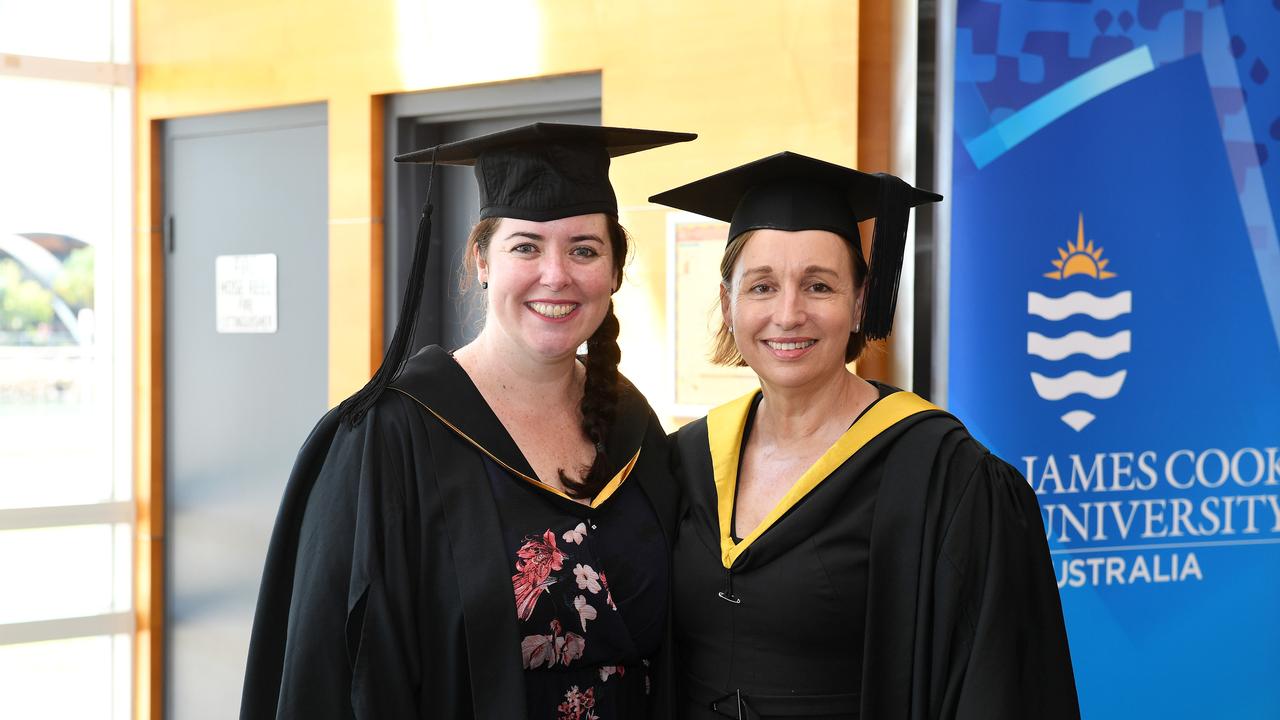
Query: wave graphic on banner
[[1080, 303], [1078, 343], [1078, 382], [1080, 257]]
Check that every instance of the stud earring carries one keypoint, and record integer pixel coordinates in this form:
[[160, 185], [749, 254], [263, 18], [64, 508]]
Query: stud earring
[[730, 329], [484, 284]]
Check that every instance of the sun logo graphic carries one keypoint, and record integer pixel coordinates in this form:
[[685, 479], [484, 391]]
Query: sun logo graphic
[[1067, 348]]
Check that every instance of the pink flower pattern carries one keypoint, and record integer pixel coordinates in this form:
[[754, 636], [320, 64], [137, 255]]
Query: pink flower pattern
[[608, 596], [607, 670], [540, 564], [577, 534], [585, 610], [588, 579], [578, 705], [558, 647], [537, 559]]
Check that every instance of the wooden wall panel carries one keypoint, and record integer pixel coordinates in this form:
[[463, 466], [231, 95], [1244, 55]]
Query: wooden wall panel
[[875, 139], [148, 432], [886, 143], [751, 78]]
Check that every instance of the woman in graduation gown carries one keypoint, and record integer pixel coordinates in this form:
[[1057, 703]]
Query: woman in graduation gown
[[848, 549], [485, 533]]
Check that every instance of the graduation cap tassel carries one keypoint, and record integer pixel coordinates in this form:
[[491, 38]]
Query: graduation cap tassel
[[353, 409], [888, 244]]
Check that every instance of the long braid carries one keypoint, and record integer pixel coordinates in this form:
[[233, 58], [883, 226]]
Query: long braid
[[600, 390]]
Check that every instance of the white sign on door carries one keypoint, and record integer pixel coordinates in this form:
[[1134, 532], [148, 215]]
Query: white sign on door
[[245, 288]]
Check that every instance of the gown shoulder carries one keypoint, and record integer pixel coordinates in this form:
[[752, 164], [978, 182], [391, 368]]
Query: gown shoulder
[[999, 643], [336, 570]]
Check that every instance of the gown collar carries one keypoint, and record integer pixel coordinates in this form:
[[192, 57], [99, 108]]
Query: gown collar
[[438, 383], [726, 425]]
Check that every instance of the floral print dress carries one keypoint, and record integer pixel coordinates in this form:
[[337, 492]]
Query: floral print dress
[[590, 587]]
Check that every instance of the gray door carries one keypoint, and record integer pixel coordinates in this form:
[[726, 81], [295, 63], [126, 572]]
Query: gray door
[[237, 404], [451, 316]]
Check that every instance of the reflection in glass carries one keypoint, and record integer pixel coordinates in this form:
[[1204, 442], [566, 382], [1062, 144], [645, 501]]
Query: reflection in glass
[[46, 290], [56, 228]]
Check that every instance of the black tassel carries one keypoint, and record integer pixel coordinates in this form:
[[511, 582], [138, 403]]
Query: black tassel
[[888, 243], [353, 409]]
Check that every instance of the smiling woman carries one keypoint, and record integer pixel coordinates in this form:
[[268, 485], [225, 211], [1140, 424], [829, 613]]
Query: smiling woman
[[910, 563], [725, 350], [793, 297], [548, 286], [563, 270], [548, 289], [486, 533]]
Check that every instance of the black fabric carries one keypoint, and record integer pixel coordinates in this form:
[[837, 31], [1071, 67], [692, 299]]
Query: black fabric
[[387, 590], [614, 560], [789, 191], [544, 182], [545, 171], [796, 204], [962, 614], [797, 628], [353, 408], [792, 192], [743, 706]]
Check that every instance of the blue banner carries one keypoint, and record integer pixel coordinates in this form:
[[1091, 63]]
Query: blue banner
[[1115, 327]]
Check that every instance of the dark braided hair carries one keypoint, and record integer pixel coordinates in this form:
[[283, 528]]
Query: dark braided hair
[[599, 406], [600, 390]]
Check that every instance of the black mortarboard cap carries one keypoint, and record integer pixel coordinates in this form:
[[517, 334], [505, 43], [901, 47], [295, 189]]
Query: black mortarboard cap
[[545, 171], [538, 172], [793, 192]]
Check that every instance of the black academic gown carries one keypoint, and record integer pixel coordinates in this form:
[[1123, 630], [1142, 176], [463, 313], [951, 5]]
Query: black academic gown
[[963, 618], [387, 589]]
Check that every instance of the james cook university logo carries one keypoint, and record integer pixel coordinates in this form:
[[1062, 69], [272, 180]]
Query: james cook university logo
[[1065, 347]]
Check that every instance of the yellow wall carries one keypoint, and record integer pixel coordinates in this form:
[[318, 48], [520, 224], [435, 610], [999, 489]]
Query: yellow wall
[[751, 76]]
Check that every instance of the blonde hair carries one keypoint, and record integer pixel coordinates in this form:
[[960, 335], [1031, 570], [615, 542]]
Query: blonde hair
[[724, 349]]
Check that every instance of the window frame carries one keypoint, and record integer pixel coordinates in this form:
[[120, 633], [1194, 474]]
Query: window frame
[[115, 347]]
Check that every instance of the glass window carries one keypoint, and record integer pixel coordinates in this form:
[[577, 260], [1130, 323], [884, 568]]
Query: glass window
[[85, 678], [66, 534], [62, 572], [57, 208]]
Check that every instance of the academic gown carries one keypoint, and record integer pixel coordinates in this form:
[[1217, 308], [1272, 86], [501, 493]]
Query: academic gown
[[949, 589], [387, 591]]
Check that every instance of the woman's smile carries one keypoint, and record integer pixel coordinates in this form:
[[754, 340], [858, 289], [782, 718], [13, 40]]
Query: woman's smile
[[555, 311], [789, 348]]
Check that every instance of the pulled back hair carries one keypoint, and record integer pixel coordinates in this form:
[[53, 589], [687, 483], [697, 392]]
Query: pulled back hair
[[724, 351], [599, 404]]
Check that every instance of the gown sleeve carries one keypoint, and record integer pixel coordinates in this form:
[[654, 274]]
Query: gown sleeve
[[999, 633], [334, 634]]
